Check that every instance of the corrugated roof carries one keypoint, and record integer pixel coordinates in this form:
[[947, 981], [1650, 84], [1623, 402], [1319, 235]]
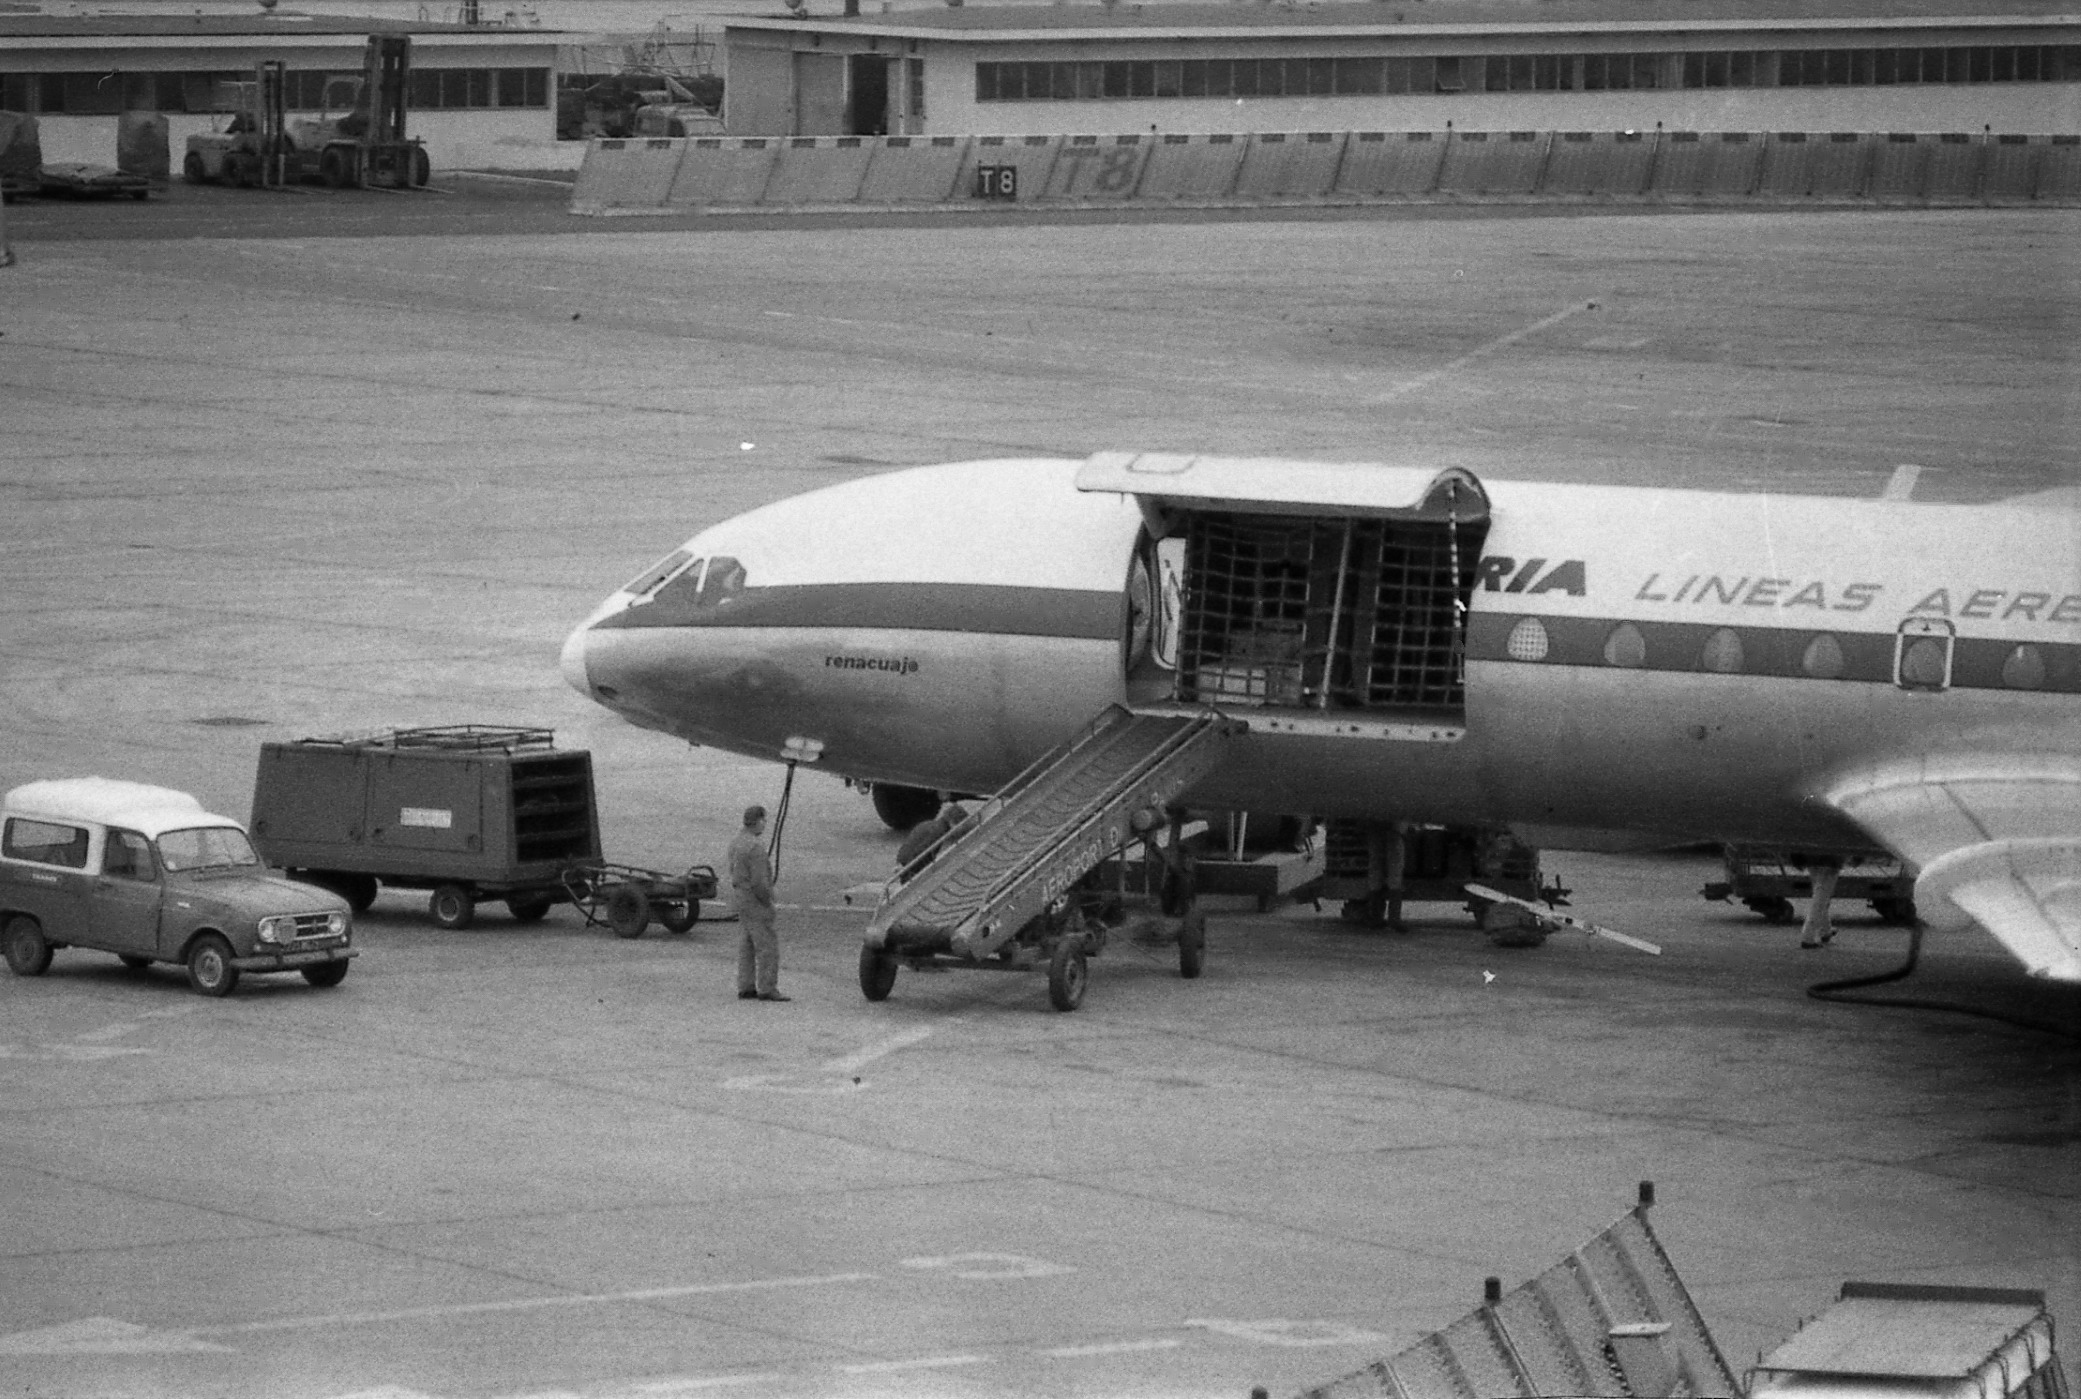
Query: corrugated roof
[[236, 26], [1546, 16]]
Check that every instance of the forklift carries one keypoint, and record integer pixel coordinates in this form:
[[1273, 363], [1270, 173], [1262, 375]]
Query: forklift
[[363, 147]]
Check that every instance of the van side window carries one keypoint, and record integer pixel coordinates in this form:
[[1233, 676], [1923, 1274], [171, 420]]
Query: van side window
[[129, 856], [45, 842]]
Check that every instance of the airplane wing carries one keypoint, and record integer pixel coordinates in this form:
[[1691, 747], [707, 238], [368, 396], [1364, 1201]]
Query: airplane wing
[[1997, 840]]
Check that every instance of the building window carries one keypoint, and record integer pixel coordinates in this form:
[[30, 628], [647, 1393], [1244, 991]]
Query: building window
[[1127, 80]]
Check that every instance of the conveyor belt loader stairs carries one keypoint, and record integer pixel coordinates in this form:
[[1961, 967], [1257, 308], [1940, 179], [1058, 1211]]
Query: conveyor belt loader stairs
[[969, 898], [1612, 1319]]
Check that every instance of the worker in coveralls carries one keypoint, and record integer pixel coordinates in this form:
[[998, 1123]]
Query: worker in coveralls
[[751, 890]]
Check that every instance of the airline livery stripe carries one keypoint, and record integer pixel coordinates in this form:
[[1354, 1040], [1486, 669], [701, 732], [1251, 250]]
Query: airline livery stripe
[[989, 609], [1977, 663]]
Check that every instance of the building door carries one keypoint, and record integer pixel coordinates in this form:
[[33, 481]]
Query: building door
[[820, 94], [867, 109]]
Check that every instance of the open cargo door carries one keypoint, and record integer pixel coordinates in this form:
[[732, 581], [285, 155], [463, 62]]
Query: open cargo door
[[1320, 597]]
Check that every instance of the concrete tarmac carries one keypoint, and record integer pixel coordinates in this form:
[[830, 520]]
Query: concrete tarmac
[[262, 488]]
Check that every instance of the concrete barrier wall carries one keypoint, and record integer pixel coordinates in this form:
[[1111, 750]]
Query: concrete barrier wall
[[1391, 165], [1297, 167], [1792, 167], [914, 170], [725, 171], [1193, 169], [1598, 165], [818, 170], [1097, 169], [1494, 162]]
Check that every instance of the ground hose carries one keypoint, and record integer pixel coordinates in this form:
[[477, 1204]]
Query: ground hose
[[1835, 991]]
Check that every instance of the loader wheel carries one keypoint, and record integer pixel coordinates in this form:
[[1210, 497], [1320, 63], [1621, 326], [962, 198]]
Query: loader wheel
[[452, 906], [192, 170], [422, 168], [1067, 974], [1192, 945], [628, 910], [680, 918], [877, 972], [332, 168]]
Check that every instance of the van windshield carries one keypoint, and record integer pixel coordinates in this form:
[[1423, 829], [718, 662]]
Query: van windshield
[[206, 847]]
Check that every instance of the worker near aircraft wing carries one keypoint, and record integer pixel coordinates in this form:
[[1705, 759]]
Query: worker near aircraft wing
[[751, 890]]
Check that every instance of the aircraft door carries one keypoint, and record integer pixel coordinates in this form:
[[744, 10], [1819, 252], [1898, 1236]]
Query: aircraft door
[[1922, 654]]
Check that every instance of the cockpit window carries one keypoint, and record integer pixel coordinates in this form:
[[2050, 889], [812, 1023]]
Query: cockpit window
[[653, 578], [724, 580]]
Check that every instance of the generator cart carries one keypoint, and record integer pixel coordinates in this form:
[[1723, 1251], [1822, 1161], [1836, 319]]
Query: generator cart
[[471, 812], [1767, 881], [625, 898]]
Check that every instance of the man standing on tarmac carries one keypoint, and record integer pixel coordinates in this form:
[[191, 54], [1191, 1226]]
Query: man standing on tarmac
[[751, 890]]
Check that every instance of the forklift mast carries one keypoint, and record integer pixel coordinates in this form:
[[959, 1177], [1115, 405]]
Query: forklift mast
[[387, 67], [270, 121]]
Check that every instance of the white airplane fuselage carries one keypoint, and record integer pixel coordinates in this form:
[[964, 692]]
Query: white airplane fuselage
[[942, 627]]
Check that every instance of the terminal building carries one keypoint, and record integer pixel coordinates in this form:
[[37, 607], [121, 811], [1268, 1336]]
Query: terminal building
[[1409, 65]]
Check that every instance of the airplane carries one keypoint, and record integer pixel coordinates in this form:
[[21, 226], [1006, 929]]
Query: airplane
[[1592, 666]]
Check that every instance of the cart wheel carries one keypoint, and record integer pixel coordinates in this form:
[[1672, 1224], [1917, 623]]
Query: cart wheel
[[1773, 910], [680, 918], [1067, 974], [452, 906], [529, 908], [628, 910], [1192, 945], [877, 972]]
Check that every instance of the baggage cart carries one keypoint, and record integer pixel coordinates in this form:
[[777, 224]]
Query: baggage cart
[[1767, 880], [470, 812], [624, 898]]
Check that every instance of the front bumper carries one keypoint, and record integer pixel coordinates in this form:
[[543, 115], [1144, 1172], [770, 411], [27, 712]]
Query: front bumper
[[285, 961]]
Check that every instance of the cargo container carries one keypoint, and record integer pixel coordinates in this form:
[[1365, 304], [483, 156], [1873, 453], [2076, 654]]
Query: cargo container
[[469, 811]]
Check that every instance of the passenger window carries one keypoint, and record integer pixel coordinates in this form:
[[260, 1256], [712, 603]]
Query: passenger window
[[1824, 658], [1527, 640], [2025, 669], [128, 856], [1722, 652], [46, 843], [1625, 646]]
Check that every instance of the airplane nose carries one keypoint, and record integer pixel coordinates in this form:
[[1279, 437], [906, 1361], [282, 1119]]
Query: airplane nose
[[572, 661]]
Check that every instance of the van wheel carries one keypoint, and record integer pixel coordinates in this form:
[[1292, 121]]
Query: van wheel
[[327, 973], [27, 953], [452, 906], [209, 966]]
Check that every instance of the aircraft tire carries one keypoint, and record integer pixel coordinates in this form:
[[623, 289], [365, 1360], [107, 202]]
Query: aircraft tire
[[1068, 974], [877, 972], [902, 807], [628, 910], [1192, 945]]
